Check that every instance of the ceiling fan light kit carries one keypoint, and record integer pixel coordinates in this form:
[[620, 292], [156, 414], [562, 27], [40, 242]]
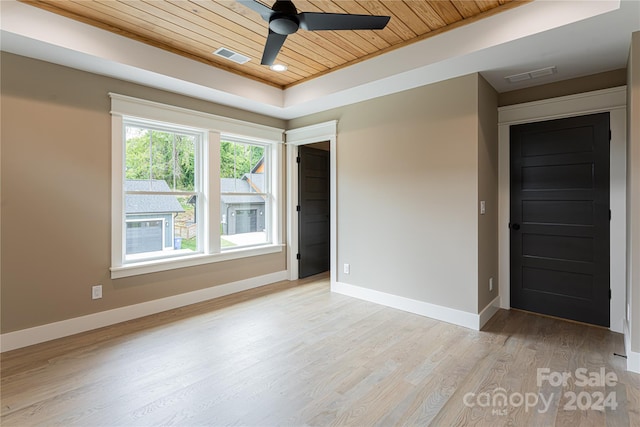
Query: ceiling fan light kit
[[284, 19], [280, 68]]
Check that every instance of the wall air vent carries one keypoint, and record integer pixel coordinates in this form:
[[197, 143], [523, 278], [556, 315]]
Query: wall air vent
[[231, 55], [533, 74]]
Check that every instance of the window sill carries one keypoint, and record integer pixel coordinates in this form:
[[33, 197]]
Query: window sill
[[145, 267]]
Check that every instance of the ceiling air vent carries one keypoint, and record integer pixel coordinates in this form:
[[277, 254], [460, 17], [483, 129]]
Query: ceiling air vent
[[533, 74], [231, 55]]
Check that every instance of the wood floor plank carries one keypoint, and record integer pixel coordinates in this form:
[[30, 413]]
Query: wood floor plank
[[294, 353]]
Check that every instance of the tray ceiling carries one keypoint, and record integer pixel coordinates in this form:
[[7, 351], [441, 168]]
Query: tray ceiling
[[196, 28]]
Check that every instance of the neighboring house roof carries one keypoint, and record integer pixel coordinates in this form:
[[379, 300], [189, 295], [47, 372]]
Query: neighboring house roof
[[259, 167], [235, 185], [255, 180], [149, 203]]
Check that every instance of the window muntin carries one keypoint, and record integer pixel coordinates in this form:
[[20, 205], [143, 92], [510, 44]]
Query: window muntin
[[161, 181], [245, 193]]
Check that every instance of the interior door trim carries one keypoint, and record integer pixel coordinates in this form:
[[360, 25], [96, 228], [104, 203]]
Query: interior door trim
[[608, 100], [320, 132]]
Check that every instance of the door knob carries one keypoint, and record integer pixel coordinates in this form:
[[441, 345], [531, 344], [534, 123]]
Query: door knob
[[515, 226]]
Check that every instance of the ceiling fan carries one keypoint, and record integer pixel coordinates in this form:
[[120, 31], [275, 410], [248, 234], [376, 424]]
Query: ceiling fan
[[284, 19]]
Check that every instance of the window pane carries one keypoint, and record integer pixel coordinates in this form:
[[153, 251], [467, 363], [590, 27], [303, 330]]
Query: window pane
[[186, 225], [144, 235], [160, 225], [242, 162], [137, 153], [160, 156], [256, 174], [228, 166], [185, 164], [160, 161], [243, 221]]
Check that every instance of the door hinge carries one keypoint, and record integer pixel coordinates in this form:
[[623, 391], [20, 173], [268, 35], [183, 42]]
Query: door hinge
[[297, 256], [298, 159], [609, 214], [609, 293], [609, 135], [298, 208]]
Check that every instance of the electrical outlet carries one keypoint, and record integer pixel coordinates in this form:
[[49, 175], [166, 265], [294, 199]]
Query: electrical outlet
[[490, 284], [347, 269], [96, 292]]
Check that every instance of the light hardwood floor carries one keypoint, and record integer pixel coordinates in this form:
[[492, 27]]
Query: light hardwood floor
[[296, 354]]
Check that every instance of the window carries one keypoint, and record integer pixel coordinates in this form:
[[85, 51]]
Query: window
[[161, 188], [245, 199], [190, 188]]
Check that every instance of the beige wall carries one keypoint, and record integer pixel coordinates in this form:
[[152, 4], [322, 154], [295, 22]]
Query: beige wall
[[56, 198], [487, 191], [633, 190], [606, 80], [407, 175]]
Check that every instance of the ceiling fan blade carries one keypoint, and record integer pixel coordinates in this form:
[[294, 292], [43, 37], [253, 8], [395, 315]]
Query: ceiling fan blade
[[271, 49], [314, 21], [263, 10]]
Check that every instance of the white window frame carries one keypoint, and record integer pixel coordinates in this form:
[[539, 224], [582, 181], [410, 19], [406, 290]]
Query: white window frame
[[124, 108]]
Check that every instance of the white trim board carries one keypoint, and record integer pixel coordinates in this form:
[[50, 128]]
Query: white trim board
[[565, 106], [64, 328], [123, 105], [433, 311], [613, 101], [633, 358], [311, 134]]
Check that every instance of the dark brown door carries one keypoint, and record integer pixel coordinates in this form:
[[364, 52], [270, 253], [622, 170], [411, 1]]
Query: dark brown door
[[313, 233], [560, 218]]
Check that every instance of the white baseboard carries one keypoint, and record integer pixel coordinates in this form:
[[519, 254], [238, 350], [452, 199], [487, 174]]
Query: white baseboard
[[487, 313], [434, 311], [633, 358], [51, 331], [633, 361]]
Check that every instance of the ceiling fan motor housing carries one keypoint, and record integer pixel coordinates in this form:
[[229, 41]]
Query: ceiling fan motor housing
[[284, 24]]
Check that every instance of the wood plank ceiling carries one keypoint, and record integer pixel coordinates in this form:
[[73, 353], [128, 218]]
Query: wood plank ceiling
[[196, 28]]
